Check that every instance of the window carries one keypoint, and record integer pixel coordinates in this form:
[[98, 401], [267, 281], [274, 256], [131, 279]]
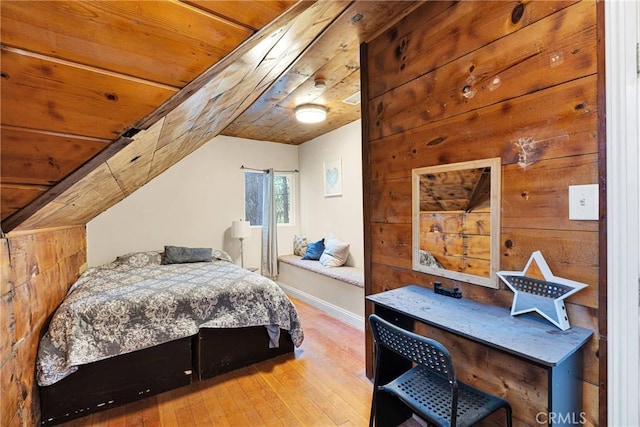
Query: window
[[253, 182]]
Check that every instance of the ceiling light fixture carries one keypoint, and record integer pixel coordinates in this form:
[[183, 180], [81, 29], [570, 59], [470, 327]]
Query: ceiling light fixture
[[311, 113]]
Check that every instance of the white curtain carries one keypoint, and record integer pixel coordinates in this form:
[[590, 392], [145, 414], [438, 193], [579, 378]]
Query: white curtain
[[269, 227]]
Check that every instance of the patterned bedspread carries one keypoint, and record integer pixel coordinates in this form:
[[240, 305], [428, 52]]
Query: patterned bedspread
[[119, 308]]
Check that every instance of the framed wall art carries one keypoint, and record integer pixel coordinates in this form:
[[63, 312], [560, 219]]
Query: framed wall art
[[333, 178]]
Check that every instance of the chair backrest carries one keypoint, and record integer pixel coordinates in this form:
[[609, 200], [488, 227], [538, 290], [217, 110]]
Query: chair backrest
[[417, 348]]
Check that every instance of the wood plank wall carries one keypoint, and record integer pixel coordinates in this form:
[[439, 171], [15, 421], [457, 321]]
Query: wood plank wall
[[36, 270], [461, 81]]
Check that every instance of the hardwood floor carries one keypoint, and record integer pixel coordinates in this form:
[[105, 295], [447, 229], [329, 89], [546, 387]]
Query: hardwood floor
[[323, 384]]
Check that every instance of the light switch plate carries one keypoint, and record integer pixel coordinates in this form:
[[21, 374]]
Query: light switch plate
[[583, 202]]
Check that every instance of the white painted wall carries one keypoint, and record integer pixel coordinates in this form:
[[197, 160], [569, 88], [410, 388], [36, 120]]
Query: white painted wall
[[340, 215], [193, 204]]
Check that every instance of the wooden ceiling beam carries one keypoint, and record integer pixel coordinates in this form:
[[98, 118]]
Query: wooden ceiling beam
[[43, 158], [199, 82], [269, 108], [15, 196], [212, 100], [187, 118], [232, 90], [124, 36], [36, 205], [58, 96], [335, 57], [252, 15]]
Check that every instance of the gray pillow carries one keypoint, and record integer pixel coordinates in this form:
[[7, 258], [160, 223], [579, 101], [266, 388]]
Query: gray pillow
[[181, 255]]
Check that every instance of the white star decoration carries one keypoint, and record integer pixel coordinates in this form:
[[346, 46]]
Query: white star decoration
[[544, 296]]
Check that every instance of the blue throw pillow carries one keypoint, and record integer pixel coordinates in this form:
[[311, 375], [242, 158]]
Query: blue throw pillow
[[314, 250]]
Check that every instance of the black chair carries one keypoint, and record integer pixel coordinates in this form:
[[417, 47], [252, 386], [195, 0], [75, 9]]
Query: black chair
[[429, 388]]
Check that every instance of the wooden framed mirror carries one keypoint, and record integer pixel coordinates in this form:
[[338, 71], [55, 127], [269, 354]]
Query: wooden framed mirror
[[456, 220]]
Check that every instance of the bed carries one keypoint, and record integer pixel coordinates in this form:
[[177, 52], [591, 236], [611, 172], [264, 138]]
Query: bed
[[139, 326]]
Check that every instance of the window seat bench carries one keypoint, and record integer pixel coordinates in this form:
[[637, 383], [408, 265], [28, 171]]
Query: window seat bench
[[351, 275], [339, 291]]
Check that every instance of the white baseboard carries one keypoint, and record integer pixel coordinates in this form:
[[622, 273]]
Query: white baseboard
[[331, 309]]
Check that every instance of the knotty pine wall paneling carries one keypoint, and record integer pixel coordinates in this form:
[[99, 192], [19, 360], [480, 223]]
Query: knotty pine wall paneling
[[455, 82], [36, 270]]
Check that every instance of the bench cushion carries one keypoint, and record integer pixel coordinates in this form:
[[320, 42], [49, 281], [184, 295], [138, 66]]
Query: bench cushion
[[351, 275]]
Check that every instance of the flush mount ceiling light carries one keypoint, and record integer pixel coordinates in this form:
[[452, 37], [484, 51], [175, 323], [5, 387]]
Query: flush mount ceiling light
[[311, 113]]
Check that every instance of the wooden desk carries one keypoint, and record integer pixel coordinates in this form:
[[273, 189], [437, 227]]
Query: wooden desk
[[527, 337]]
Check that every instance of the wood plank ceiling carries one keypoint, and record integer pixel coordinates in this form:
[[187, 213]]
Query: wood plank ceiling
[[81, 79]]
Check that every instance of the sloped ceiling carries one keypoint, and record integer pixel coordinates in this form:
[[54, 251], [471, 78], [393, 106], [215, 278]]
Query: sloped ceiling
[[98, 98]]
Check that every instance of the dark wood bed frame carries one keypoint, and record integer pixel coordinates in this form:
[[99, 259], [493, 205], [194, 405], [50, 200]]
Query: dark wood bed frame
[[133, 376]]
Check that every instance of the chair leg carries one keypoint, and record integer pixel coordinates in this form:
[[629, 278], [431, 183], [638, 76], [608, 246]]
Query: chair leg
[[373, 407], [508, 410]]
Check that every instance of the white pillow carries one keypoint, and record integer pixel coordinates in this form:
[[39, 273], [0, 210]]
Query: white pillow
[[335, 252]]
